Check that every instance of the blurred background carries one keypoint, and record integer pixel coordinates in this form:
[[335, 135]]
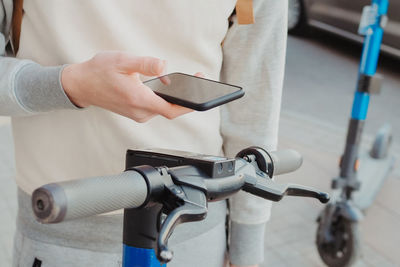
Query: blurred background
[[320, 80], [323, 55]]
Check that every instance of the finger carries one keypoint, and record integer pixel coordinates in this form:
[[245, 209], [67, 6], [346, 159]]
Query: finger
[[170, 111], [136, 114], [165, 80], [145, 118], [174, 111], [148, 66], [200, 74]]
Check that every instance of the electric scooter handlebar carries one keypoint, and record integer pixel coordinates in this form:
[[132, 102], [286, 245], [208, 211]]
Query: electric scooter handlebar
[[181, 190], [56, 202]]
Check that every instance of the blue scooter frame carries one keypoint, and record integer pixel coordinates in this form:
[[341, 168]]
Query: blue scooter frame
[[368, 83], [369, 58], [140, 230], [139, 257]]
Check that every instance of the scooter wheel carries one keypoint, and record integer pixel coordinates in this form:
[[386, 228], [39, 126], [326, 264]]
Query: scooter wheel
[[344, 247]]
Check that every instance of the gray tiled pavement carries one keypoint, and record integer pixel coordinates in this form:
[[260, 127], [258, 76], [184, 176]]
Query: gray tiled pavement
[[291, 231]]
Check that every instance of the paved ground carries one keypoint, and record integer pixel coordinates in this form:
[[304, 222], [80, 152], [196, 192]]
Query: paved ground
[[319, 85]]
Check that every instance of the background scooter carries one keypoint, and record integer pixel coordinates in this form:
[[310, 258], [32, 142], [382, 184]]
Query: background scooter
[[361, 174]]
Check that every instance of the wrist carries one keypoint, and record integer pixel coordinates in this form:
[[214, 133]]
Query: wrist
[[70, 81]]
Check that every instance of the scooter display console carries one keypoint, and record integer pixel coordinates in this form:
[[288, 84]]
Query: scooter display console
[[213, 166]]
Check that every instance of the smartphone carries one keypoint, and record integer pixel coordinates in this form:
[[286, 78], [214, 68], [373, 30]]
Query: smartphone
[[194, 92]]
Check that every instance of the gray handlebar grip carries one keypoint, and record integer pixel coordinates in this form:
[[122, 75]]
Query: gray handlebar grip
[[62, 201], [286, 161]]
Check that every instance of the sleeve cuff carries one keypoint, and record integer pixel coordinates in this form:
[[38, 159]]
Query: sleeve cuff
[[39, 89], [246, 246]]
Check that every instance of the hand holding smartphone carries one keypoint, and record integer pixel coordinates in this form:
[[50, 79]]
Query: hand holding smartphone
[[194, 92]]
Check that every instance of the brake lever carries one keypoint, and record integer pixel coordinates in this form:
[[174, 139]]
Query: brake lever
[[186, 199], [268, 189], [183, 204], [261, 185]]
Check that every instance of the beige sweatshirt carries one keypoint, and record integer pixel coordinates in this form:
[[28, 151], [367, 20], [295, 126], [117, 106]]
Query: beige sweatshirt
[[71, 144]]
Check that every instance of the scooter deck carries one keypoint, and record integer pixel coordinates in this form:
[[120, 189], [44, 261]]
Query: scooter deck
[[372, 174]]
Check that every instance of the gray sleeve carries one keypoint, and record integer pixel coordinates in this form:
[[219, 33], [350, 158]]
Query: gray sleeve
[[26, 87], [39, 89], [254, 57]]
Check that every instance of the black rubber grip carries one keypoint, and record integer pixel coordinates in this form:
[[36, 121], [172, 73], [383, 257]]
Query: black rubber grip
[[57, 202], [286, 161]]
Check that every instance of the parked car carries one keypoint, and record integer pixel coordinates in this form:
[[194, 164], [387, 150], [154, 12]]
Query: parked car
[[342, 17]]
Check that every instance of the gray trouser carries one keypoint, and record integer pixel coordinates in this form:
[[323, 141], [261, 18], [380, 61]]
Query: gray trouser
[[97, 241]]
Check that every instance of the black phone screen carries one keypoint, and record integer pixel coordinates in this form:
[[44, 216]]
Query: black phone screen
[[193, 92]]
